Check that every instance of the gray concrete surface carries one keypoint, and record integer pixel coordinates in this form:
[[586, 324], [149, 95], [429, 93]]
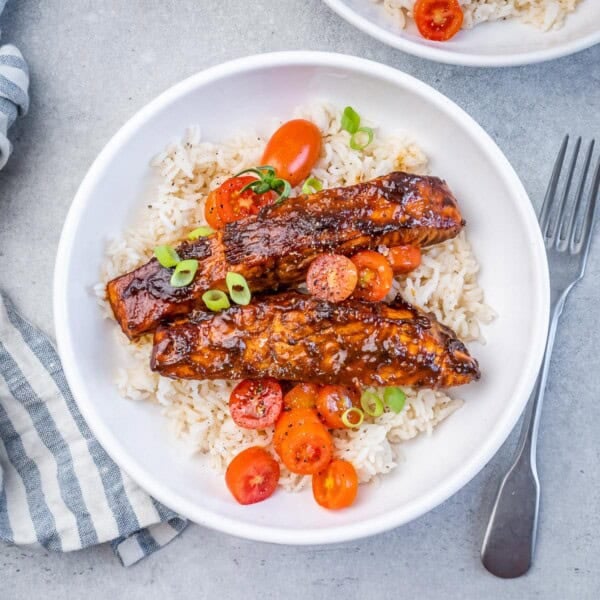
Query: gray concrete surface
[[93, 65]]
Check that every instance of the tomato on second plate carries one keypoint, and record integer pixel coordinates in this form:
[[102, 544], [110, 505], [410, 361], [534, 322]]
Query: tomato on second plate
[[232, 204], [404, 259], [252, 475], [302, 395], [331, 277], [438, 20], [333, 401], [256, 403], [375, 276], [335, 486], [211, 214], [293, 150]]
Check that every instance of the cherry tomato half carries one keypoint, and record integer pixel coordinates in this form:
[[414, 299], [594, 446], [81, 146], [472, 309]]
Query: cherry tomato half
[[375, 276], [331, 277], [252, 475], [333, 401], [256, 403], [210, 211], [233, 204], [307, 449], [290, 420], [293, 150], [438, 20], [404, 259], [302, 395], [335, 486]]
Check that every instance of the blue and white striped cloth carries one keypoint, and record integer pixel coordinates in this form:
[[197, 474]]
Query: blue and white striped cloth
[[58, 487], [14, 98]]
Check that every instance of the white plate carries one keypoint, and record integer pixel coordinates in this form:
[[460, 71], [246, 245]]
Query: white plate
[[502, 227], [496, 44]]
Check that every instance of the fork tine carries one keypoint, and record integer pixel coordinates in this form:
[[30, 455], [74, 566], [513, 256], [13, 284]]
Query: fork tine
[[588, 223], [555, 221], [552, 185], [568, 225]]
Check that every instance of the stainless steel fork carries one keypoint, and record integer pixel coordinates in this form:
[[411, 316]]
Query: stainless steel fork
[[566, 221]]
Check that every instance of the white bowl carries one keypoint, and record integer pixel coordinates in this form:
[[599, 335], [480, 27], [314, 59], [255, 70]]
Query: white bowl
[[502, 227], [495, 44]]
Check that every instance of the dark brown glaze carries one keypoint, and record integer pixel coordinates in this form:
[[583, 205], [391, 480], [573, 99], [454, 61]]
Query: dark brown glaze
[[296, 337], [274, 248]]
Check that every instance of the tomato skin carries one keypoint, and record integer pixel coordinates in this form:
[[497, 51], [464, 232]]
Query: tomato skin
[[306, 449], [336, 486], [333, 401], [252, 475], [256, 403], [290, 420], [293, 150], [438, 20], [331, 277], [233, 204], [375, 276], [210, 211], [302, 395], [404, 259]]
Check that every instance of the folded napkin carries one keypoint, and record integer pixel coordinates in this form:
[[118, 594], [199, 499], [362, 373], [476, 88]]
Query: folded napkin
[[14, 84], [58, 487]]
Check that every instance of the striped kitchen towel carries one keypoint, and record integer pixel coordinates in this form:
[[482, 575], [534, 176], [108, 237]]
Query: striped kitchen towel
[[58, 487], [14, 98]]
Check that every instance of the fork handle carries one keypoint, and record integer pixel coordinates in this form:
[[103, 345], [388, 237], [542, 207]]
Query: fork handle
[[509, 542]]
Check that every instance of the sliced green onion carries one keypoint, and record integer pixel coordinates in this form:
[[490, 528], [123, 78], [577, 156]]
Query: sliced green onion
[[355, 139], [216, 300], [350, 120], [166, 256], [311, 186], [371, 403], [394, 398], [353, 417], [238, 288], [184, 273], [199, 232]]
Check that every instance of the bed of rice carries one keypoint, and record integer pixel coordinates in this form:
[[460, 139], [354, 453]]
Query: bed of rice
[[543, 14], [445, 284]]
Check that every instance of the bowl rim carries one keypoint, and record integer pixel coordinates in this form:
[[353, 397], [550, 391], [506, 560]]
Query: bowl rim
[[438, 54], [146, 480]]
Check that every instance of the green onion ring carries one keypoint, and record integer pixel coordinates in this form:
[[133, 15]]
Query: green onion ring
[[311, 186], [199, 232], [166, 256], [395, 398], [355, 144], [350, 120], [372, 404], [234, 282], [215, 300], [353, 411], [184, 273]]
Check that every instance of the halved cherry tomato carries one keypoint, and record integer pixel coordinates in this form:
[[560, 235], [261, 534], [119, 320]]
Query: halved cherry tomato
[[438, 20], [333, 401], [210, 211], [290, 420], [375, 276], [335, 486], [331, 277], [256, 403], [404, 259], [306, 448], [252, 475], [302, 395], [233, 204], [293, 150]]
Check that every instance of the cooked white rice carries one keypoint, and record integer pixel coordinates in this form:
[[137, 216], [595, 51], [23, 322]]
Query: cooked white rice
[[543, 14], [445, 283]]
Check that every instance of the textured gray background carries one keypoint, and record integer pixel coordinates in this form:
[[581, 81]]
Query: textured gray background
[[93, 65]]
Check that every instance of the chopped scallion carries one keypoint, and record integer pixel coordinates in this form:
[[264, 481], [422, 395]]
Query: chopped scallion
[[238, 288], [184, 272], [371, 403], [215, 300], [394, 398], [199, 232], [311, 186], [350, 120], [166, 256], [361, 138], [353, 417]]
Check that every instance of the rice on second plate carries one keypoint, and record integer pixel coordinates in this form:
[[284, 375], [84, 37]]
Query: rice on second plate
[[544, 14], [445, 284]]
